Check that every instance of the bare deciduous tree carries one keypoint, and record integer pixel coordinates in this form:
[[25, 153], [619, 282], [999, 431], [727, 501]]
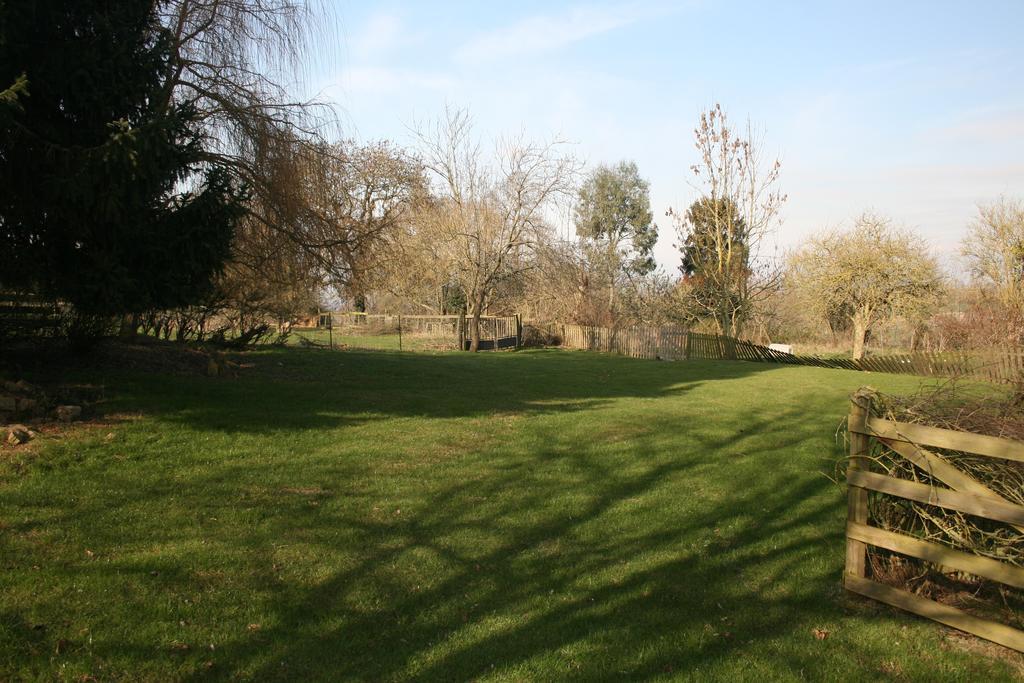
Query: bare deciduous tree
[[872, 272], [722, 235], [361, 196], [236, 63], [487, 214], [558, 288], [994, 250]]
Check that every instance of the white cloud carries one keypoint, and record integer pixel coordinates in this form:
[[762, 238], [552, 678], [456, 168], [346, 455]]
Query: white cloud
[[545, 32]]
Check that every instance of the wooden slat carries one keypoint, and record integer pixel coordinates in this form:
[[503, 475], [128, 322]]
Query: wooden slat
[[988, 508], [651, 342], [944, 614], [977, 444], [857, 498], [937, 554], [937, 466]]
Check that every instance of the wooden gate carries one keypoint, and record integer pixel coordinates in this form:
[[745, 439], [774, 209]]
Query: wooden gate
[[496, 332], [964, 494]]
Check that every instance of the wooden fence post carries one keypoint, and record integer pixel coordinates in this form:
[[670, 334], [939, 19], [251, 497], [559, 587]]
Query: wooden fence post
[[857, 501]]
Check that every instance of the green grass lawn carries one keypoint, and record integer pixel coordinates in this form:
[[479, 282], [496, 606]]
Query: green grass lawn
[[373, 342], [509, 516]]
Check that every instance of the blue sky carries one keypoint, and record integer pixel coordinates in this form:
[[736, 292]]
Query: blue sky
[[915, 110]]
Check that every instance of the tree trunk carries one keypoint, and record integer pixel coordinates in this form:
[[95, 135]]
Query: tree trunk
[[129, 325], [611, 303], [725, 324], [476, 310], [860, 331], [474, 331], [613, 270]]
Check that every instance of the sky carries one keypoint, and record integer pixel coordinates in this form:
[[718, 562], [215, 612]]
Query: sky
[[911, 109]]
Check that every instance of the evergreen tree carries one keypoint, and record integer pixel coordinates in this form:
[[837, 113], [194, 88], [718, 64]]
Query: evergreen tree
[[614, 209], [712, 223], [614, 218], [106, 201]]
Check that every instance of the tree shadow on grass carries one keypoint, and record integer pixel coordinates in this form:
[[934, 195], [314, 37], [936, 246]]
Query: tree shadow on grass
[[298, 389], [582, 587], [715, 556], [579, 567]]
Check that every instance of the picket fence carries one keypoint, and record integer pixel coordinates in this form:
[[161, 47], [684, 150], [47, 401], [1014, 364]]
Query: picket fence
[[676, 343], [666, 343]]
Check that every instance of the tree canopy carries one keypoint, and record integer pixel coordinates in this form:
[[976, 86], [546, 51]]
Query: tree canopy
[[614, 208], [994, 250], [106, 198], [873, 271], [722, 232]]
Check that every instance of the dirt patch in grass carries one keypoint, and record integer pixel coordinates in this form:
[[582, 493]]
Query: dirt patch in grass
[[958, 640]]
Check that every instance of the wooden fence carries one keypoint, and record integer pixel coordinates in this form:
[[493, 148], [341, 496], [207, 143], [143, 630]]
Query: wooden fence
[[496, 332], [965, 495], [27, 315], [499, 332], [382, 323], [666, 343], [674, 343], [994, 365]]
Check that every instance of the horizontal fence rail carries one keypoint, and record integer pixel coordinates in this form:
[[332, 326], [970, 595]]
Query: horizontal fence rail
[[676, 343], [964, 494], [27, 315], [496, 332]]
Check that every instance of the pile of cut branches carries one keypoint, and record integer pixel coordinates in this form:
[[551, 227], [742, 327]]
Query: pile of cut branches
[[966, 408]]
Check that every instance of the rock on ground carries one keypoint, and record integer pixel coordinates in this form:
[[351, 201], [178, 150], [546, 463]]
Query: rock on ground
[[68, 413]]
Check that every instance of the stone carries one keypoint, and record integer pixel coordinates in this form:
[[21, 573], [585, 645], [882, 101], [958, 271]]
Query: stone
[[68, 413], [25, 387], [8, 404], [19, 434], [27, 406]]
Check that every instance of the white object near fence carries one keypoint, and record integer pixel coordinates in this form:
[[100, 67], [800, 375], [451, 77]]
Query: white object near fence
[[784, 348]]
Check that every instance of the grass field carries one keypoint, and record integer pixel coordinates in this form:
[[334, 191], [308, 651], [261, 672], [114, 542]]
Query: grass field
[[511, 516], [372, 342]]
